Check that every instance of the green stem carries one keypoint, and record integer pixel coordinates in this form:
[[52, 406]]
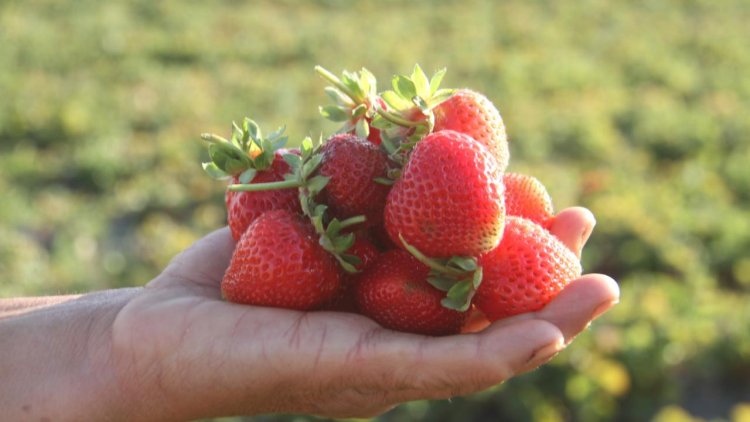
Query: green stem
[[210, 137], [333, 79], [397, 120], [433, 264], [353, 220], [255, 187]]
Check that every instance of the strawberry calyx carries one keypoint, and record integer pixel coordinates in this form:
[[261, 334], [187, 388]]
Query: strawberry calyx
[[409, 115], [245, 154], [458, 276], [355, 100], [303, 175]]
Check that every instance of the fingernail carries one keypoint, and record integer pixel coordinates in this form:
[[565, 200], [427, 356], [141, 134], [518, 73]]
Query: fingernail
[[545, 353], [602, 308]]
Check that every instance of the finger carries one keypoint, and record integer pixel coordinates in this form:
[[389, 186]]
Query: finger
[[573, 226], [582, 301], [206, 260], [416, 367]]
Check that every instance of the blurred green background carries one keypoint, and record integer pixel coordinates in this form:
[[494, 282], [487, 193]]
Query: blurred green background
[[639, 110]]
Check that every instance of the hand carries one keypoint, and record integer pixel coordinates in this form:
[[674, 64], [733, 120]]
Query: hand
[[180, 352]]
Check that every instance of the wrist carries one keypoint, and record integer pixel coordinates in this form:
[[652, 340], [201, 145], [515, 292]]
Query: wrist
[[56, 354]]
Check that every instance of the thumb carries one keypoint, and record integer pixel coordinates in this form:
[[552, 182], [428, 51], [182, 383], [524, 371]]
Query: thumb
[[205, 261]]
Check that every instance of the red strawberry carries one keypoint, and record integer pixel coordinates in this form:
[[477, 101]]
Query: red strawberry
[[449, 199], [244, 207], [395, 293], [470, 112], [344, 299], [352, 164], [525, 272], [526, 196], [279, 262], [249, 158]]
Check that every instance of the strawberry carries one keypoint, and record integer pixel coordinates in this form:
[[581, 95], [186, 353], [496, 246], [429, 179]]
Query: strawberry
[[525, 272], [417, 107], [526, 196], [470, 112], [395, 293], [279, 262], [250, 158], [356, 101], [344, 300], [244, 207], [449, 199], [352, 165]]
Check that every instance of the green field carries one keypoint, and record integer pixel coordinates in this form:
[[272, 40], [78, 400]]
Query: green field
[[639, 110]]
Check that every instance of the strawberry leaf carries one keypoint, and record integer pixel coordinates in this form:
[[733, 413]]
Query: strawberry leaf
[[404, 87], [459, 296], [420, 81], [214, 171], [247, 175], [334, 113], [435, 81], [441, 282]]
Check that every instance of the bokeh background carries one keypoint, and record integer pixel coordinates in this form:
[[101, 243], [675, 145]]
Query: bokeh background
[[639, 110]]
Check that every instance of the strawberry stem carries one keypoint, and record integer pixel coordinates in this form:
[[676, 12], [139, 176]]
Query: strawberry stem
[[352, 221], [396, 119], [333, 79], [256, 187], [432, 263], [210, 137]]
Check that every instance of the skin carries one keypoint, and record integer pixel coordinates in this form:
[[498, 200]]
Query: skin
[[173, 350]]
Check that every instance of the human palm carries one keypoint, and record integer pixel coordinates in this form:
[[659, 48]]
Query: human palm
[[180, 345]]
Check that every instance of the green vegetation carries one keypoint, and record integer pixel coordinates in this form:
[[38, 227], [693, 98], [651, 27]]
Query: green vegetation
[[638, 110]]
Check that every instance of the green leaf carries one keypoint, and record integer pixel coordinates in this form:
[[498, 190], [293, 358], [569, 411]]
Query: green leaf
[[437, 78], [459, 296], [252, 128], [362, 129], [343, 243], [276, 135], [215, 172], [404, 87], [346, 266], [333, 229], [359, 111], [476, 279], [294, 161], [316, 184], [309, 167], [247, 175], [395, 101], [463, 262], [440, 97], [306, 146], [441, 282], [351, 259], [338, 97], [420, 81], [326, 243], [334, 113]]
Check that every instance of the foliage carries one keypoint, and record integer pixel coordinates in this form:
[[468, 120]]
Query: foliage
[[637, 110]]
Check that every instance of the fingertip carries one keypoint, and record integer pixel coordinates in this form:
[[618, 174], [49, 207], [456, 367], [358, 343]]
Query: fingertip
[[573, 226]]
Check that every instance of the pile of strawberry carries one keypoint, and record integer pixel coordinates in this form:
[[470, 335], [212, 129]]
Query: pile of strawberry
[[406, 215]]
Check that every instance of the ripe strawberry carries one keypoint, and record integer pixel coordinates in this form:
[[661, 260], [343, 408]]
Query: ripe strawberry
[[526, 196], [525, 272], [249, 158], [343, 300], [352, 164], [470, 112], [395, 293], [278, 262], [449, 199], [244, 207]]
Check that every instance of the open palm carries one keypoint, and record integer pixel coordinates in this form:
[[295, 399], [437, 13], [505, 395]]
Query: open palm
[[197, 356]]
